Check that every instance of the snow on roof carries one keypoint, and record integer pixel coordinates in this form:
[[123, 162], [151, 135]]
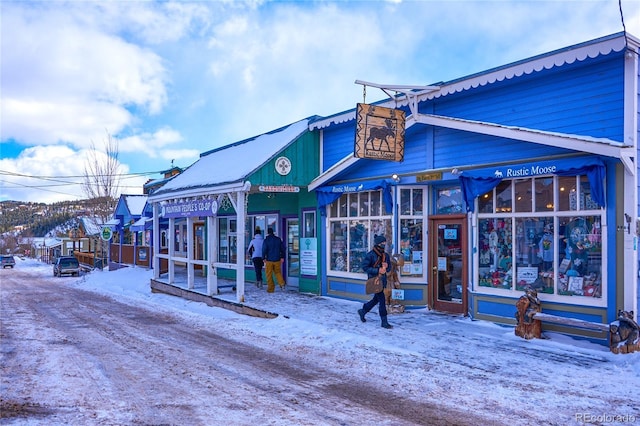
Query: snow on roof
[[135, 204], [141, 224], [42, 241], [92, 225], [112, 222], [233, 163]]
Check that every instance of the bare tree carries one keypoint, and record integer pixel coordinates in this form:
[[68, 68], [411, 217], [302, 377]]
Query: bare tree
[[102, 177], [101, 185]]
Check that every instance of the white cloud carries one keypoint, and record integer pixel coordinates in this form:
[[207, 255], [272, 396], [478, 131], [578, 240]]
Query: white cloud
[[51, 173], [49, 121], [151, 144], [62, 81]]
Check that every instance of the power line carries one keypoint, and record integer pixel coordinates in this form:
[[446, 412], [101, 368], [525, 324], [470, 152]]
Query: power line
[[44, 177]]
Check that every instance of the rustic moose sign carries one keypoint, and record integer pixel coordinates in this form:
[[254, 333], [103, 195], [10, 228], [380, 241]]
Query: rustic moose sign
[[379, 133]]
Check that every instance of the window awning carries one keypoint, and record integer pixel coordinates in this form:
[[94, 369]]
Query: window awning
[[140, 224], [112, 223], [480, 181], [328, 194]]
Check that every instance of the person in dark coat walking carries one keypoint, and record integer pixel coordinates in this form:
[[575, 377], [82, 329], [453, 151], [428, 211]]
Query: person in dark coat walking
[[273, 254], [377, 262]]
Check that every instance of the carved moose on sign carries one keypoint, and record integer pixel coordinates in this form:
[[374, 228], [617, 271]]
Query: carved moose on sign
[[382, 134]]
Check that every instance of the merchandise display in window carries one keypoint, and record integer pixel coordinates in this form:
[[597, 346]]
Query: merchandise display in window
[[338, 246], [580, 267], [495, 247], [554, 253], [354, 219], [411, 231], [411, 246], [535, 254]]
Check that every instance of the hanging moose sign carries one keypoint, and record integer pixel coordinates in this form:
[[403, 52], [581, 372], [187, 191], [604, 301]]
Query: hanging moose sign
[[379, 133]]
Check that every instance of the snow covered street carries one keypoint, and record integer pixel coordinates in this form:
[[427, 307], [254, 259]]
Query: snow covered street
[[102, 349]]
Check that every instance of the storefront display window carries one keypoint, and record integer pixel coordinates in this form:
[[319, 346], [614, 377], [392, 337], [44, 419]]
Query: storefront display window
[[495, 252], [309, 220], [448, 201], [411, 231], [228, 240], [580, 256], [352, 227], [542, 244], [180, 240], [255, 223]]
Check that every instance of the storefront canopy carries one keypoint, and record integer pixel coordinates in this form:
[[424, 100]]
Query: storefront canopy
[[142, 224], [328, 194], [480, 181]]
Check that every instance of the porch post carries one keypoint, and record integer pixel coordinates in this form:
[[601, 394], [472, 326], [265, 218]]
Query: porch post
[[156, 242], [212, 243], [190, 269], [239, 201], [630, 185], [172, 249]]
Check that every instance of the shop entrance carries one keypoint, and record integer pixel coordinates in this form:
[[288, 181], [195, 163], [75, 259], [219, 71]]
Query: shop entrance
[[292, 242], [448, 263]]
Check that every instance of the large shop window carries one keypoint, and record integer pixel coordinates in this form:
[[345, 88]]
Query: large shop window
[[411, 231], [227, 240], [542, 233], [258, 223], [354, 219]]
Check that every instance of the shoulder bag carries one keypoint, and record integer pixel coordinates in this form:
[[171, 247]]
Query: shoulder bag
[[374, 285]]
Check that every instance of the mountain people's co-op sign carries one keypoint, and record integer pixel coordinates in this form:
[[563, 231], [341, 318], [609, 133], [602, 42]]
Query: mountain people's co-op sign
[[189, 208]]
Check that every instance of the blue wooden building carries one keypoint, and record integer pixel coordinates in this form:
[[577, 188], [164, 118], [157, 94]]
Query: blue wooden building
[[522, 176]]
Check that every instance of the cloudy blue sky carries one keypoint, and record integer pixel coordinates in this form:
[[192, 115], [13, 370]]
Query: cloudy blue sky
[[169, 80]]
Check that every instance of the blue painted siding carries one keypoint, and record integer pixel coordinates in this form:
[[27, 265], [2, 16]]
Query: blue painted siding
[[586, 101], [506, 310], [581, 98], [338, 142], [456, 148]]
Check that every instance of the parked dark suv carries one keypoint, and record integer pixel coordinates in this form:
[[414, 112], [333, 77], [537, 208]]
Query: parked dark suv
[[66, 265], [7, 261]]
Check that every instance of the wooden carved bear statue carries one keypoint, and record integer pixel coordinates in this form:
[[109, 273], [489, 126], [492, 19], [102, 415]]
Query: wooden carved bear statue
[[393, 282], [527, 306]]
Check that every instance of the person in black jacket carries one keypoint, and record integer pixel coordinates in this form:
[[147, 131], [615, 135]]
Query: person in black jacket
[[377, 262], [273, 254]]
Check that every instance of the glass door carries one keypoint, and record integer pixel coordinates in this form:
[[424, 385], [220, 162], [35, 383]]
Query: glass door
[[448, 248], [292, 237]]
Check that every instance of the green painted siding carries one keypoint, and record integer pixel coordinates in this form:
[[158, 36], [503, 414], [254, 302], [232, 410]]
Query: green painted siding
[[304, 156]]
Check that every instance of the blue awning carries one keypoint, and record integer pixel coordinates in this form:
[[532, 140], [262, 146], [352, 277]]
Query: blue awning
[[480, 181], [328, 194], [142, 224]]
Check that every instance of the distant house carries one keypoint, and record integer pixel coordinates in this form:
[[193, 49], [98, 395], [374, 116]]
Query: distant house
[[130, 241], [46, 249], [153, 185]]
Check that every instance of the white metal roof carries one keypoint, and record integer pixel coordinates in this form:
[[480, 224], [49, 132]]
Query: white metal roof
[[228, 166]]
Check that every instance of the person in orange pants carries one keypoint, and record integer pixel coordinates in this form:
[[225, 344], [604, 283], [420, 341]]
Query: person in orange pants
[[273, 254]]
